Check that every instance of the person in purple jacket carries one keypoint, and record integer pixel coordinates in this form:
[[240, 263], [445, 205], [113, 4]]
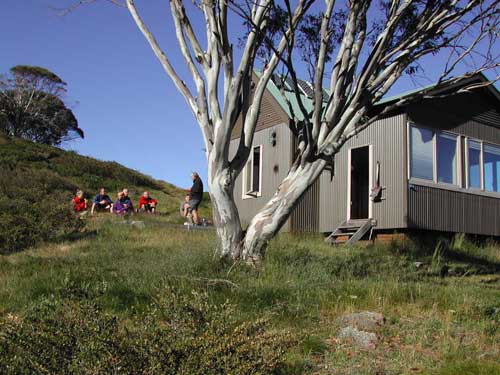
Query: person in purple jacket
[[123, 204]]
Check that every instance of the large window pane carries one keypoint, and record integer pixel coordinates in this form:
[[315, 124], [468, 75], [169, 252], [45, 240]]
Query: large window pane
[[491, 168], [474, 157], [446, 158], [421, 153]]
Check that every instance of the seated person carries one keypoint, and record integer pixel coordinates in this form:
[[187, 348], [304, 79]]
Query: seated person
[[125, 192], [123, 205], [79, 203], [147, 204], [102, 202], [185, 208], [127, 201]]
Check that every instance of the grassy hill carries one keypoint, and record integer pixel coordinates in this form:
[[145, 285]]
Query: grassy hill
[[37, 183]]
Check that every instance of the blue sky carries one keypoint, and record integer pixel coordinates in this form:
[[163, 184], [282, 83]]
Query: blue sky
[[127, 106]]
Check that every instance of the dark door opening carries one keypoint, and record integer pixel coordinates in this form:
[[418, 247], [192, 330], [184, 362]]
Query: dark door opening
[[360, 175]]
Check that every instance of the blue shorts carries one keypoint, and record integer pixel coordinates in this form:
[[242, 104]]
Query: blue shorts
[[194, 203]]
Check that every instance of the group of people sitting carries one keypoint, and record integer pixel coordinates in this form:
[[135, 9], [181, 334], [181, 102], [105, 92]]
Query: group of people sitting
[[123, 204]]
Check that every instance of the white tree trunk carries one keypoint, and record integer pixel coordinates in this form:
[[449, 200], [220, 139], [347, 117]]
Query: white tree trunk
[[266, 224], [225, 212]]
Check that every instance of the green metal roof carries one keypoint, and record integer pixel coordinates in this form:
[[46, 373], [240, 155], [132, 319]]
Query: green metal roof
[[282, 98]]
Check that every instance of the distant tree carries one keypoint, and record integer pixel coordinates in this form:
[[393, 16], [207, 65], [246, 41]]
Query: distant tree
[[32, 106]]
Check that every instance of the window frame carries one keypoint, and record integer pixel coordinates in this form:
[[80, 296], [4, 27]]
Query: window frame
[[410, 149], [458, 158], [463, 175], [483, 143], [458, 153], [250, 193], [481, 165]]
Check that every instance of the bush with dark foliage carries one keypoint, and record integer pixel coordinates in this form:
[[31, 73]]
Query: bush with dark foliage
[[177, 335]]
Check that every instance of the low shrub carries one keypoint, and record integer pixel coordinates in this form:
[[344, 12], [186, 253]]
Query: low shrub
[[177, 335], [34, 206]]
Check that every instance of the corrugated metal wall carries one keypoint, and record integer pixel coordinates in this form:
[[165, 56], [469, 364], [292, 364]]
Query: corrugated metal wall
[[456, 209], [453, 211], [387, 138], [275, 165], [305, 218]]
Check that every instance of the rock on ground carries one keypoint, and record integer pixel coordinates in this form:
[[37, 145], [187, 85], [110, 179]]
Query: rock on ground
[[362, 339], [359, 328], [363, 321]]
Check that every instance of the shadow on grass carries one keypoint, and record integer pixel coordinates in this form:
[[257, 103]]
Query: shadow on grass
[[486, 265], [77, 236]]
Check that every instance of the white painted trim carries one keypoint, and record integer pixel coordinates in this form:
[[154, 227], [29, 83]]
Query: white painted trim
[[481, 167], [408, 149], [460, 164], [466, 153], [249, 162], [434, 157]]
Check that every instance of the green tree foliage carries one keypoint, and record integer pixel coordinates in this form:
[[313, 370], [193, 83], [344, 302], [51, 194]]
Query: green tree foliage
[[32, 106]]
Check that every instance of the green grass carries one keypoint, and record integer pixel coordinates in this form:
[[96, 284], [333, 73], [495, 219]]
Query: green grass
[[434, 325]]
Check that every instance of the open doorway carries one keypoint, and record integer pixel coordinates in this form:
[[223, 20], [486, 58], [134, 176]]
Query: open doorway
[[360, 180]]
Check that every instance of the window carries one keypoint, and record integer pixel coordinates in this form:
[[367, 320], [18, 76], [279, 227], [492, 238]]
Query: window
[[474, 163], [446, 158], [491, 167], [434, 156], [421, 160], [252, 174], [446, 146]]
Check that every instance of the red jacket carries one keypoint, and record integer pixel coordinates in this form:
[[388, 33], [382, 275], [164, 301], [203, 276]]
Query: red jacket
[[80, 204], [143, 201]]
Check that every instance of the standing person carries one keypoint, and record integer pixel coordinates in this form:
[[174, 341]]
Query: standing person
[[195, 196], [102, 202], [80, 203], [147, 204]]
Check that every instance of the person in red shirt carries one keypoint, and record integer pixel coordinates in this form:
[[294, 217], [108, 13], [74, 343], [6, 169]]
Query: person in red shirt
[[79, 203], [147, 204]]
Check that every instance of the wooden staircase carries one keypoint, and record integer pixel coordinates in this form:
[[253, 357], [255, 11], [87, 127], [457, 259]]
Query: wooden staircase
[[350, 232]]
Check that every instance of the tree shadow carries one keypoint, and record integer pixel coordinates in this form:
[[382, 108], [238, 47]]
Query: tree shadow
[[487, 265], [76, 236]]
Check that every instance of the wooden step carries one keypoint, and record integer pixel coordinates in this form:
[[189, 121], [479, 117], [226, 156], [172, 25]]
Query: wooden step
[[350, 232]]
